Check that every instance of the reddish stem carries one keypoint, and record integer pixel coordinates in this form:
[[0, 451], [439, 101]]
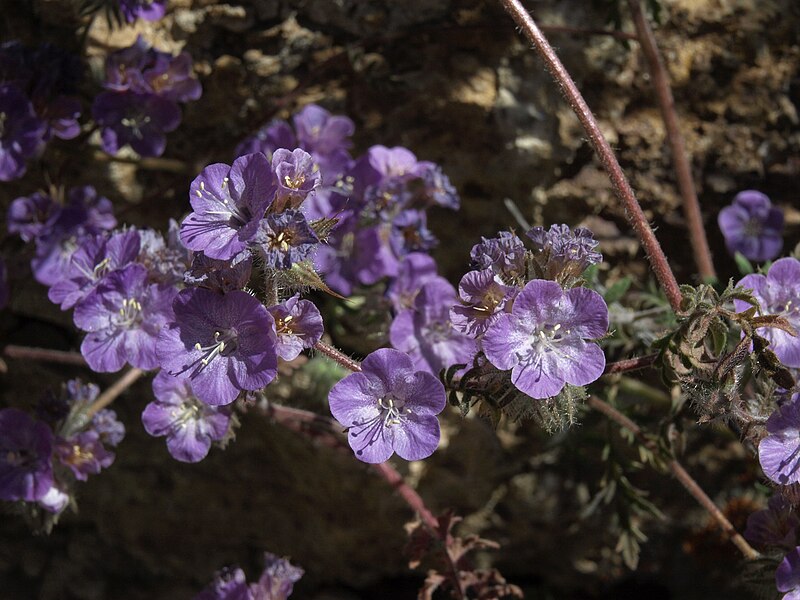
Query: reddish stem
[[631, 364], [677, 146], [680, 474], [338, 356], [44, 355], [619, 182]]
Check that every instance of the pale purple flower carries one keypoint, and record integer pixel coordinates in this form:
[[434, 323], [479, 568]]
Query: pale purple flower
[[95, 257], [32, 217], [147, 10], [274, 135], [26, 472], [503, 255], [319, 132], [775, 525], [76, 395], [787, 577], [544, 339], [410, 233], [189, 425], [54, 500], [416, 269], [562, 249], [84, 454], [284, 239], [108, 427], [229, 584], [483, 297], [228, 204], [779, 452], [426, 333], [172, 77], [390, 406], [778, 293], [752, 226], [436, 187], [297, 176], [298, 324], [277, 579], [123, 316], [21, 132], [166, 259], [138, 120], [223, 343], [392, 162]]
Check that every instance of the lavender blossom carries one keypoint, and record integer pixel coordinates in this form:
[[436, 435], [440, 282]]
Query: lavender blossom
[[416, 269], [778, 293], [389, 407], [189, 425], [775, 525], [223, 343], [277, 579], [285, 239], [752, 226], [229, 584], [228, 204], [221, 276], [84, 454], [483, 297], [25, 448], [166, 259], [543, 340], [503, 255], [33, 217], [321, 133], [565, 251], [277, 134], [297, 176], [436, 187], [148, 10], [426, 333], [54, 500], [298, 325], [21, 132], [779, 451], [138, 120], [410, 233], [787, 577], [123, 316]]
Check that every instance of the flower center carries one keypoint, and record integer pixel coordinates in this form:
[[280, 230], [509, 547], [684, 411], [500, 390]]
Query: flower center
[[393, 410], [294, 182], [753, 227], [437, 331], [135, 123], [190, 410], [78, 456], [129, 313], [284, 325], [225, 343], [280, 241]]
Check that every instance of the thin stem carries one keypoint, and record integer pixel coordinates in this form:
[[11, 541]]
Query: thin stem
[[325, 430], [677, 146], [338, 356], [619, 182], [680, 474], [630, 364], [150, 163], [107, 397], [44, 355], [620, 35]]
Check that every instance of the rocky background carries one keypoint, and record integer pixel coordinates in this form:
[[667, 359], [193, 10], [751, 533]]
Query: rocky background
[[453, 81]]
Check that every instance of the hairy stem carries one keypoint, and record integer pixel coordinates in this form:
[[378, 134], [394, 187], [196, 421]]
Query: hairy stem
[[683, 171], [338, 356], [44, 355], [619, 182], [630, 364], [680, 474]]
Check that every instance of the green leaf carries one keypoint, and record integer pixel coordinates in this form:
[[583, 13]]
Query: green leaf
[[744, 266], [617, 290]]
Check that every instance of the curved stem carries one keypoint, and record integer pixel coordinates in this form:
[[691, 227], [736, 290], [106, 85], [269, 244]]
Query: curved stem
[[683, 171], [686, 480], [44, 355], [338, 356], [619, 182]]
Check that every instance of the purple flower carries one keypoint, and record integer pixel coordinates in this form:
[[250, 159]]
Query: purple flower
[[787, 577], [297, 176], [778, 293], [752, 226], [221, 276], [284, 239], [25, 448], [84, 454], [21, 132], [436, 186], [166, 259], [415, 270], [108, 427], [189, 425], [277, 580], [503, 255], [32, 217], [426, 333], [298, 325], [410, 233], [228, 204], [775, 525], [543, 340], [95, 257], [779, 452], [123, 316], [149, 10], [483, 297], [321, 133], [388, 407], [54, 500], [392, 162], [564, 250], [139, 120], [223, 343], [172, 77], [229, 584], [277, 134]]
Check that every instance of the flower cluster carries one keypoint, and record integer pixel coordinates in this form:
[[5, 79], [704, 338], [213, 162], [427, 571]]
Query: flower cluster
[[42, 458], [752, 226], [144, 87], [37, 102], [276, 582], [147, 10]]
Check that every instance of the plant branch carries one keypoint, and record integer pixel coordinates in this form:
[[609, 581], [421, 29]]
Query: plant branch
[[680, 474], [338, 356], [619, 182], [44, 355], [149, 163], [677, 146], [107, 397], [630, 364]]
